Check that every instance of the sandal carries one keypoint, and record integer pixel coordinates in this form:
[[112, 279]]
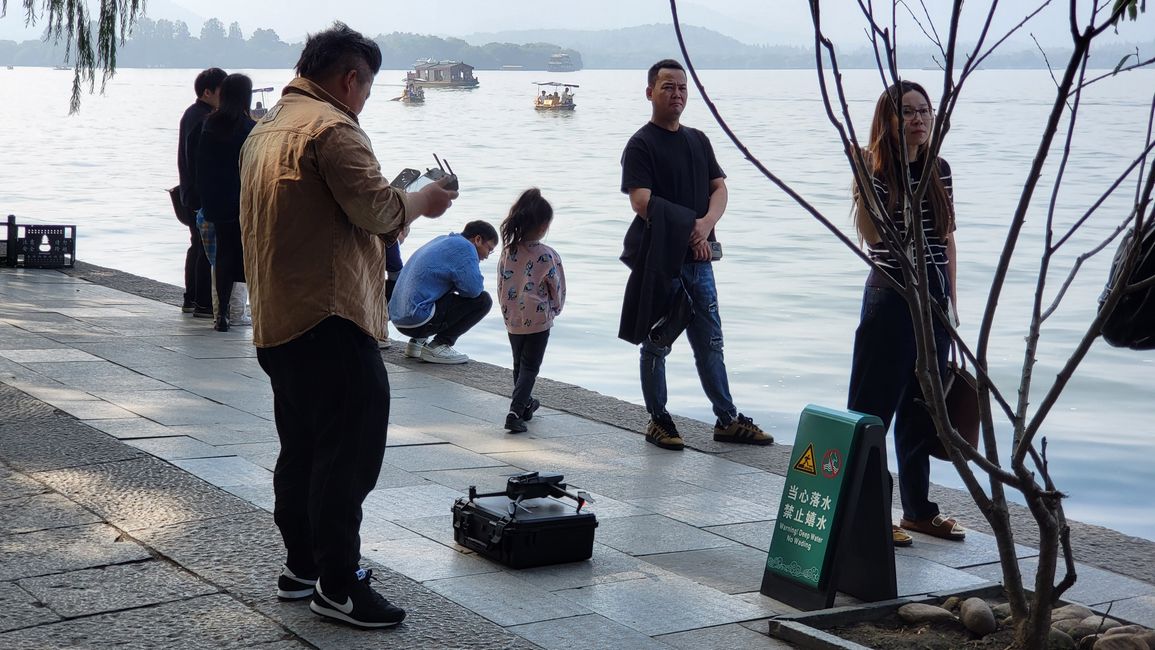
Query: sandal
[[901, 538], [940, 526]]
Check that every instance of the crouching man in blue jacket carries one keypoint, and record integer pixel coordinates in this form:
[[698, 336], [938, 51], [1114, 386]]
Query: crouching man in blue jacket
[[440, 293]]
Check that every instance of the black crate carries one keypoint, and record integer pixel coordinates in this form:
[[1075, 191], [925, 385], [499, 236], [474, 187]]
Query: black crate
[[542, 531], [38, 246]]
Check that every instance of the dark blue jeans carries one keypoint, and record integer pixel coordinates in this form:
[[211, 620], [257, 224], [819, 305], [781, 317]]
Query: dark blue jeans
[[705, 335], [883, 383]]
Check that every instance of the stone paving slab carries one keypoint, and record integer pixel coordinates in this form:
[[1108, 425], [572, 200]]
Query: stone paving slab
[[722, 637], [142, 493], [1094, 586], [216, 621], [662, 605], [175, 407], [423, 559], [57, 443], [226, 471], [176, 448], [50, 354], [505, 599], [755, 534], [590, 632], [607, 565], [706, 508], [40, 512], [916, 576], [430, 457], [112, 588], [64, 549], [97, 375], [18, 608], [1139, 610], [731, 570], [133, 427], [649, 534], [16, 486]]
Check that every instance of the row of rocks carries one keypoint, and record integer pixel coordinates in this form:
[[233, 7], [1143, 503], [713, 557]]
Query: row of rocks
[[1073, 627]]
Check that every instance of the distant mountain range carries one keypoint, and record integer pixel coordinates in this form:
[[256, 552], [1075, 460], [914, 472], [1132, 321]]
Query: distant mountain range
[[166, 44], [639, 47]]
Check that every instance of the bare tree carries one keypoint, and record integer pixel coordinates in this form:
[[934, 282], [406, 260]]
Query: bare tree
[[1026, 470], [70, 21]]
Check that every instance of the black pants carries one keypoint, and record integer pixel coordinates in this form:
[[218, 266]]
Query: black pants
[[528, 351], [197, 272], [453, 316], [331, 400], [883, 383], [230, 261]]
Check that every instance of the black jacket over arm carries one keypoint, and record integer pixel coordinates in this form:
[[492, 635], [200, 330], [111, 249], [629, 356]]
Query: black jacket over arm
[[654, 251]]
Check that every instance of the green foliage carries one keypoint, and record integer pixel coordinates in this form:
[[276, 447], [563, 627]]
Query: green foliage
[[69, 21], [1130, 8]]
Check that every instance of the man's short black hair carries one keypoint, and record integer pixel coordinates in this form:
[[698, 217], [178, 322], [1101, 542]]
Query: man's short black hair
[[664, 63], [209, 79], [337, 50], [475, 228]]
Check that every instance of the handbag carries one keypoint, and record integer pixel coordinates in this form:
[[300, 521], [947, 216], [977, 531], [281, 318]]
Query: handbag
[[962, 404], [1132, 323], [183, 214]]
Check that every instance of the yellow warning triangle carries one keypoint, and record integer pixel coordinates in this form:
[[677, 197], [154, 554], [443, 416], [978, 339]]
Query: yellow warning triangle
[[806, 462]]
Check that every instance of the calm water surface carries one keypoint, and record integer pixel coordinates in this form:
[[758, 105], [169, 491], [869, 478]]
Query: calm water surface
[[789, 291]]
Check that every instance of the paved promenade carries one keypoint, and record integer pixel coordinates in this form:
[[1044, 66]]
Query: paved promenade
[[136, 447]]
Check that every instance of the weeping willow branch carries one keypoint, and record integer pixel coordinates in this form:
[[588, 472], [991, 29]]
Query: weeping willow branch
[[69, 21]]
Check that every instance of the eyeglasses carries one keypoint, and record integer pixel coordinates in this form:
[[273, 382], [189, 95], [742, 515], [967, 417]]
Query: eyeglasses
[[909, 113]]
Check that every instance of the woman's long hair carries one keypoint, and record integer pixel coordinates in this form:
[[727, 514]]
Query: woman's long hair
[[236, 97], [884, 159], [529, 217]]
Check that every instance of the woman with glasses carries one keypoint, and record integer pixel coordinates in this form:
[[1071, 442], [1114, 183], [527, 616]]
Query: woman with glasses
[[882, 378]]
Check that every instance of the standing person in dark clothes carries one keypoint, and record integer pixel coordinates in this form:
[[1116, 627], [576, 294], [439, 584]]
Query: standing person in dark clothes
[[678, 192], [882, 378], [218, 181], [316, 216], [198, 298]]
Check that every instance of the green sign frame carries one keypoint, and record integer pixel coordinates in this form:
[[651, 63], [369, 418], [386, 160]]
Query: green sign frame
[[836, 487]]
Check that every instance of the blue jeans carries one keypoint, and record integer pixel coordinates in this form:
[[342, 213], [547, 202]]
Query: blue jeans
[[883, 383], [705, 335]]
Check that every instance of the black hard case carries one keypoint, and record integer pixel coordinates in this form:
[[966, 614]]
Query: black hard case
[[551, 532]]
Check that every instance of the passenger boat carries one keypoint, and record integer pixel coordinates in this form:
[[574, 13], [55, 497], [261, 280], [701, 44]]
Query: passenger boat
[[560, 62], [442, 74], [545, 101]]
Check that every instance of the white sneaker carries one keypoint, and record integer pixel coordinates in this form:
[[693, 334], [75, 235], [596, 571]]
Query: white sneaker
[[414, 347], [442, 354], [384, 344]]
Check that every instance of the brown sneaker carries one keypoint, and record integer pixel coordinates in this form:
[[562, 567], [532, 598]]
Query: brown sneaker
[[664, 435], [742, 431]]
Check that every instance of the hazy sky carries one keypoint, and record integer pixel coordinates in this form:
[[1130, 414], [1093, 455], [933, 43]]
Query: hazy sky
[[785, 22]]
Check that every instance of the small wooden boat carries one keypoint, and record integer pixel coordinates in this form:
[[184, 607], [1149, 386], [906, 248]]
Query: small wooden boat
[[546, 101]]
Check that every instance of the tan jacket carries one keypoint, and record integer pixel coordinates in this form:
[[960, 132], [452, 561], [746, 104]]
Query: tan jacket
[[313, 202]]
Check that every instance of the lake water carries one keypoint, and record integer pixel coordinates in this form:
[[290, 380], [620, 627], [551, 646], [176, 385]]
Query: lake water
[[789, 292]]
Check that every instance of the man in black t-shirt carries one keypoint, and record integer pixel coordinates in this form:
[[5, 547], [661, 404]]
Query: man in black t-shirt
[[678, 192]]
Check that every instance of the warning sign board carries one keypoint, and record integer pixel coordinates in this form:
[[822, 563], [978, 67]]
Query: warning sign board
[[805, 463]]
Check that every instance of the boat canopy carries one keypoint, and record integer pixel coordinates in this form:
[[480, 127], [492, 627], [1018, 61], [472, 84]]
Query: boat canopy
[[555, 84]]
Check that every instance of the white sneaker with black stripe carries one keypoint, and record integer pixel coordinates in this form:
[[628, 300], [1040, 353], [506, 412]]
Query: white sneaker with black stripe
[[360, 605]]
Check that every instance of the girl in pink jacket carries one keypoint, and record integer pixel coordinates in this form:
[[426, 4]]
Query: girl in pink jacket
[[531, 291]]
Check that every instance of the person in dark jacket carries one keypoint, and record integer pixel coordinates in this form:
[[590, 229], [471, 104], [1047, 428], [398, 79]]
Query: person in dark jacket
[[678, 192], [197, 272], [218, 182]]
